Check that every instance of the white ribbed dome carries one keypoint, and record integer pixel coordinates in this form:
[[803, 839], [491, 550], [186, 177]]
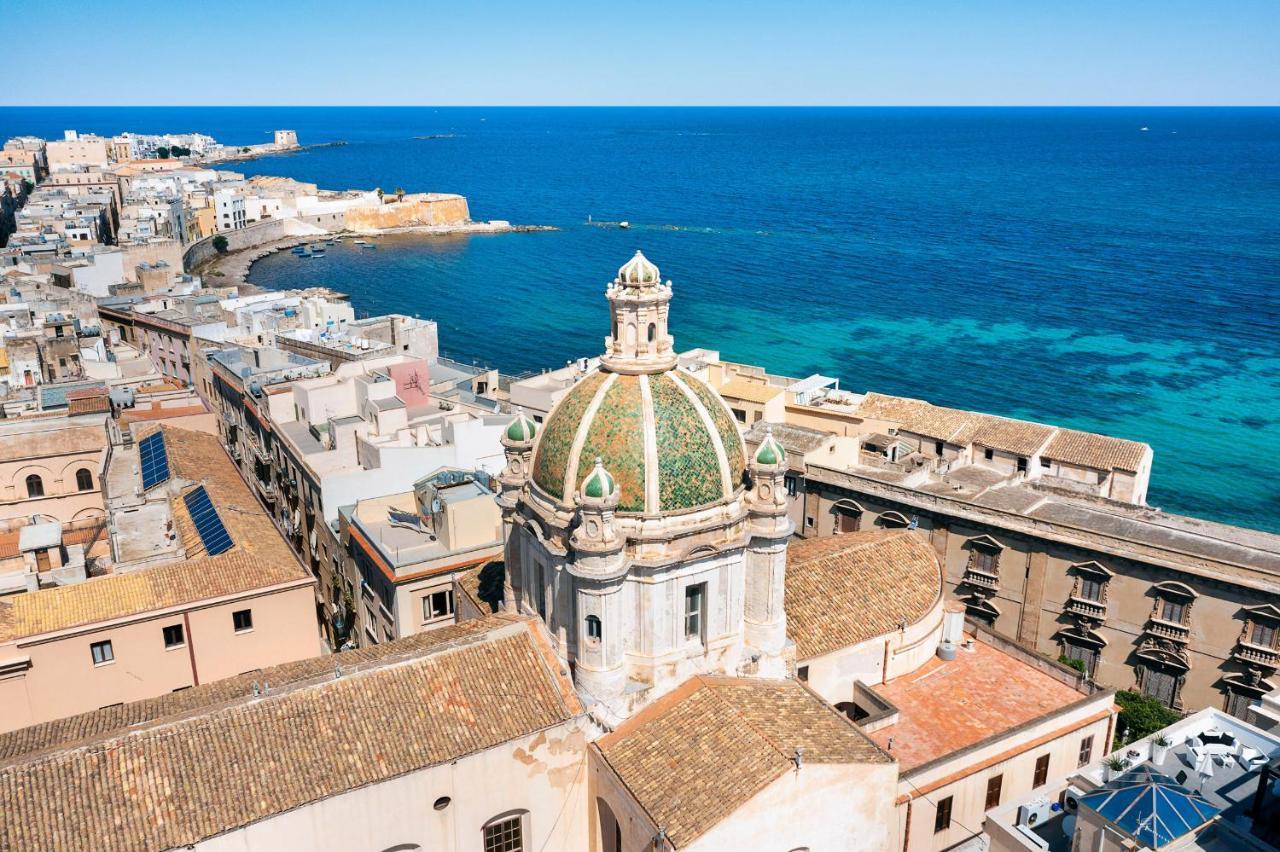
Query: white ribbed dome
[[639, 271]]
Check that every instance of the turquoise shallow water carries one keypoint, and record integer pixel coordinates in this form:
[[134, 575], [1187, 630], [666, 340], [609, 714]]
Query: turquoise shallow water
[[1056, 264]]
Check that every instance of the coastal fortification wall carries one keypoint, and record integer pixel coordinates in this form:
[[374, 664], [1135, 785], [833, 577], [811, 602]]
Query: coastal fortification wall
[[249, 237], [423, 209]]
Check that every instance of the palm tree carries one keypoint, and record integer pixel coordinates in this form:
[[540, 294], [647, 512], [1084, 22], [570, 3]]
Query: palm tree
[[399, 193]]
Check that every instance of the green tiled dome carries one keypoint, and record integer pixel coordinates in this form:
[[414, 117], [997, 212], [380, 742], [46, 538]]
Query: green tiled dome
[[770, 451], [667, 440], [522, 428], [599, 483]]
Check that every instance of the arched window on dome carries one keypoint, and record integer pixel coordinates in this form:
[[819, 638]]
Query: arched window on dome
[[653, 332]]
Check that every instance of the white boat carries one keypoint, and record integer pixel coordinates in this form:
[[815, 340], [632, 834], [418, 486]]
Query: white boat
[[624, 225]]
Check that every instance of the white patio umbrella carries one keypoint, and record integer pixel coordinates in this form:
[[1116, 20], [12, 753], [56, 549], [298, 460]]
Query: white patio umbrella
[[1204, 767]]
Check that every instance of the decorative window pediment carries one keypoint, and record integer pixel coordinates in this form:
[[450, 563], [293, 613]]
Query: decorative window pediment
[[1263, 612], [1175, 590], [1082, 636], [1092, 569], [894, 520], [984, 542]]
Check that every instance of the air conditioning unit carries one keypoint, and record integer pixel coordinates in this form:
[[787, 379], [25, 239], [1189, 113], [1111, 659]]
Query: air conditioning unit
[[1071, 799], [1034, 813]]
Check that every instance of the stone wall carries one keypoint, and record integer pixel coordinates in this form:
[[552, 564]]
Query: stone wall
[[244, 238], [412, 210]]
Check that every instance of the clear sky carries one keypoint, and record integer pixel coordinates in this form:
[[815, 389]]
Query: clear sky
[[426, 52]]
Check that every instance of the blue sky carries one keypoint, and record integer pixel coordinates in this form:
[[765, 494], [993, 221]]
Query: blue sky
[[276, 52]]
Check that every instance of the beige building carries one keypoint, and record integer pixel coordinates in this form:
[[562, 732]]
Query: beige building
[[1044, 537], [77, 152], [468, 738], [53, 467], [408, 547], [203, 588]]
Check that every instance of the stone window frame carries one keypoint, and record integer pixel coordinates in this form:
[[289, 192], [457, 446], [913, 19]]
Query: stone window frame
[[893, 520], [984, 544], [1090, 571], [1176, 593], [1264, 615]]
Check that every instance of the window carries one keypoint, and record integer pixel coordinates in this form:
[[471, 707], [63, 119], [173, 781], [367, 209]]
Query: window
[[594, 628], [653, 332], [810, 520], [102, 653], [989, 454], [1083, 653], [35, 486], [1160, 685], [791, 483], [1044, 462], [1172, 611], [1238, 703], [242, 620], [173, 637], [984, 561], [437, 605], [1086, 752], [1090, 589], [1022, 465], [993, 792], [848, 520], [84, 479], [739, 414], [802, 673], [942, 819], [938, 447], [693, 602], [505, 835], [1042, 771], [1263, 635]]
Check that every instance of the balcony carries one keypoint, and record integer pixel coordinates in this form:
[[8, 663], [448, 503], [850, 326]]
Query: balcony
[[1256, 655], [1085, 608], [266, 489], [981, 579], [1168, 630]]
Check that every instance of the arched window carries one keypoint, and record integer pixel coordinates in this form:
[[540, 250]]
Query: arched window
[[35, 486], [653, 332], [84, 479], [505, 832], [594, 628]]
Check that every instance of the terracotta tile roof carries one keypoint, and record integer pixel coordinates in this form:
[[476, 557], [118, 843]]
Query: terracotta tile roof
[[750, 391], [259, 558], [52, 442], [1096, 451], [201, 765], [846, 589], [1020, 437], [695, 756], [946, 706]]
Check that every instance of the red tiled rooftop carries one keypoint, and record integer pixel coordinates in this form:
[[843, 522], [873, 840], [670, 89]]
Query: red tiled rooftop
[[947, 706]]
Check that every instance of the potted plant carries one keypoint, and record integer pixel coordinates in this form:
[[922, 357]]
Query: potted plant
[[1160, 748], [1113, 766]]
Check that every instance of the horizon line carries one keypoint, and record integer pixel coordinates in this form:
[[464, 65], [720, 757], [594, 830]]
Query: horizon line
[[642, 106]]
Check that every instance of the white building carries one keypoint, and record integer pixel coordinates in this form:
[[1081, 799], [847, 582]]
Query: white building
[[228, 210]]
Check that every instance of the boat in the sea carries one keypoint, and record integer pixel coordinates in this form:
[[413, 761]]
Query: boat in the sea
[[624, 225], [367, 245]]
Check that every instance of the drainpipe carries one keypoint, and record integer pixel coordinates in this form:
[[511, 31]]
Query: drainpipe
[[191, 647]]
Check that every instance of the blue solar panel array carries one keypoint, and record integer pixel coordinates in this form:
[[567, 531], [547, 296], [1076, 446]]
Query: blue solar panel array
[[155, 460], [212, 531]]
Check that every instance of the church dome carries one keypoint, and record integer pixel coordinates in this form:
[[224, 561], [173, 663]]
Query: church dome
[[522, 429], [667, 440]]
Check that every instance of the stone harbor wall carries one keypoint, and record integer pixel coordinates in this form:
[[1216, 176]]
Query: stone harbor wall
[[426, 209]]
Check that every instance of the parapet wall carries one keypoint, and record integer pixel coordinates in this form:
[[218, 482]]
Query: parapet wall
[[412, 210], [248, 237]]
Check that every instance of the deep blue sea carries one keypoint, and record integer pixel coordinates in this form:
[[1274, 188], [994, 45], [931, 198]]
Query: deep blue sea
[[1115, 270]]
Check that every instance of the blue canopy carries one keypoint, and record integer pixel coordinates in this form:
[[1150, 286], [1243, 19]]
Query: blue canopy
[[1150, 807]]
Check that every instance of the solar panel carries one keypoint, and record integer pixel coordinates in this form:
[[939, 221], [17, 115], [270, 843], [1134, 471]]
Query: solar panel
[[155, 460], [212, 531]]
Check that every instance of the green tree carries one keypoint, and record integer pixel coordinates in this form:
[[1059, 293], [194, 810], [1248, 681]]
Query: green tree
[[1140, 716], [162, 152], [179, 151], [244, 150], [220, 244], [399, 193]]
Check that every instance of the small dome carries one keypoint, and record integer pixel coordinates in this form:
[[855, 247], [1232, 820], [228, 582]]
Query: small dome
[[598, 484], [639, 271], [522, 428], [770, 452]]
